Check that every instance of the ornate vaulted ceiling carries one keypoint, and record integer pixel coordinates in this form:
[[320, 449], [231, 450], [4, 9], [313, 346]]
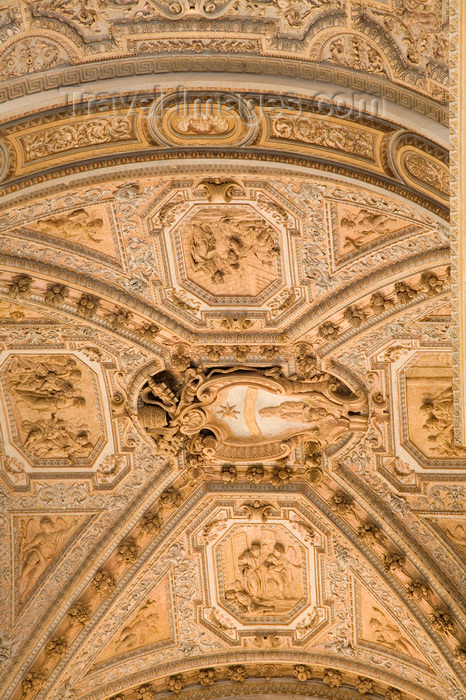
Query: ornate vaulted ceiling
[[230, 451]]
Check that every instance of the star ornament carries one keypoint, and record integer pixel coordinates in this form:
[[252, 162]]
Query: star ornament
[[227, 411]]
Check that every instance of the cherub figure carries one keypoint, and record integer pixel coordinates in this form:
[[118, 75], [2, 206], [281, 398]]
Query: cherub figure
[[78, 224], [364, 227]]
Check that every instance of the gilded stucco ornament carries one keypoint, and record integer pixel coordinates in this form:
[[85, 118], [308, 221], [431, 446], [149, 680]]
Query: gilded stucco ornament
[[32, 54], [199, 121]]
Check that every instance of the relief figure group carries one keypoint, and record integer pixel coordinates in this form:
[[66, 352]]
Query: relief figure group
[[265, 582], [219, 248], [52, 409]]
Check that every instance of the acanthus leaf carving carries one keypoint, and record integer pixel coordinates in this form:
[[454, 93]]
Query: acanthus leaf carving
[[31, 54], [353, 51], [428, 171], [78, 135], [307, 129], [181, 8]]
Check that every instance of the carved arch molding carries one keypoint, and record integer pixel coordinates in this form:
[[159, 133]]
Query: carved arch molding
[[229, 456]]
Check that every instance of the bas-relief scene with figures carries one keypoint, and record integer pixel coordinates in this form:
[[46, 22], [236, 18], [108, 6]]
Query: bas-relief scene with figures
[[55, 405], [263, 576], [229, 251], [39, 539], [231, 321], [429, 406]]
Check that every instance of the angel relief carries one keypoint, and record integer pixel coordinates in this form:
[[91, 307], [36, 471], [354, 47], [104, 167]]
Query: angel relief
[[76, 225], [364, 227], [241, 414], [356, 226], [90, 227], [379, 628], [151, 623]]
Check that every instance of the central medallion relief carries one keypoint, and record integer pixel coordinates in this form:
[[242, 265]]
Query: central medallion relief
[[262, 573], [229, 250], [248, 414]]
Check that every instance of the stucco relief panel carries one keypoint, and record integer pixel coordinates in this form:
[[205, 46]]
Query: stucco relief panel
[[355, 230], [262, 574], [90, 227], [226, 243], [377, 628], [56, 419], [149, 626], [39, 540], [83, 231], [426, 406], [229, 251], [54, 407]]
